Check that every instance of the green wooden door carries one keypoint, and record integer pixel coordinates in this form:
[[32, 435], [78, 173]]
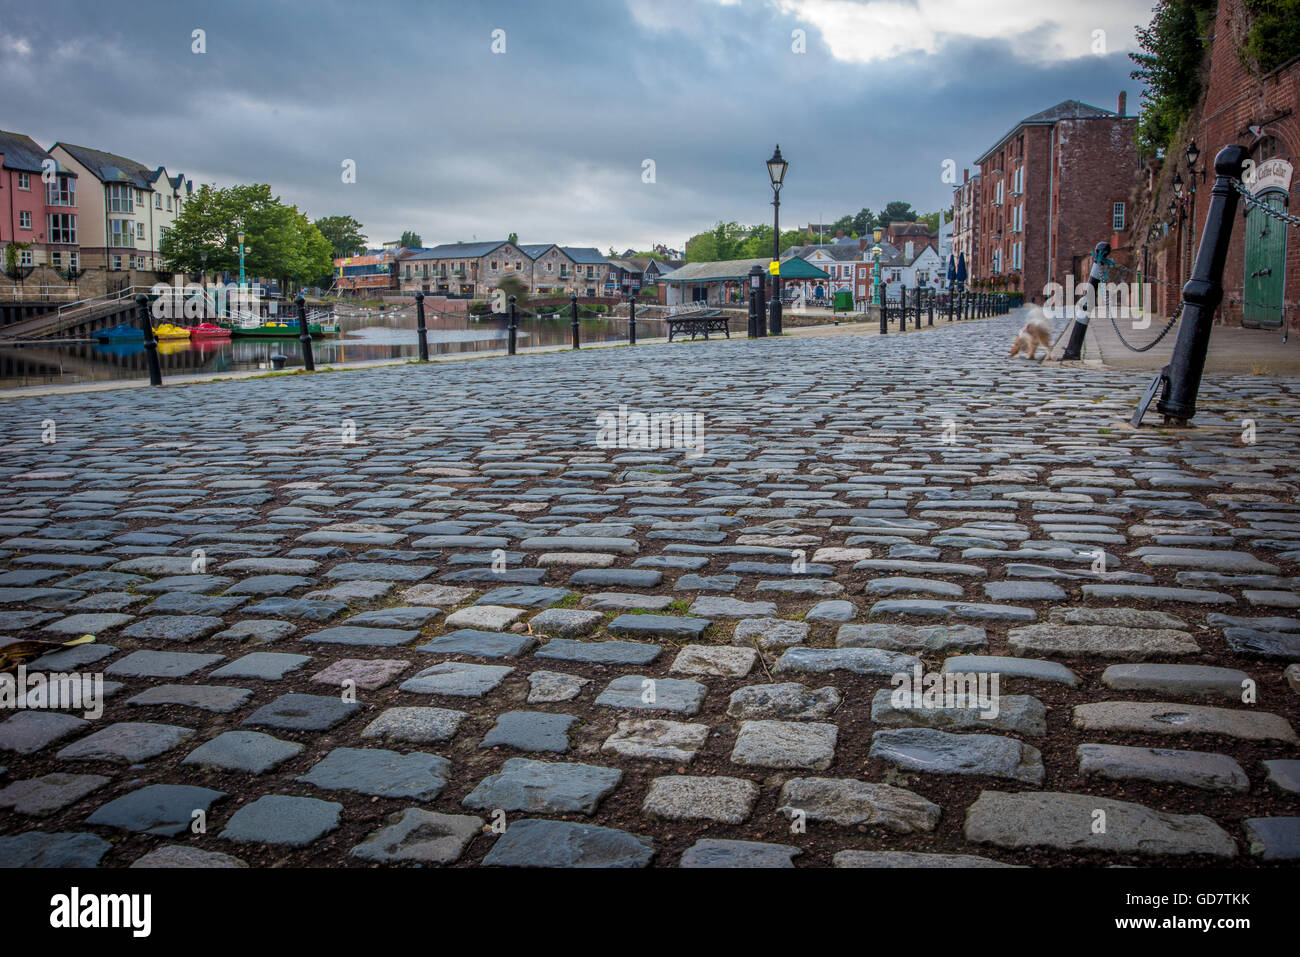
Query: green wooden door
[[1265, 265]]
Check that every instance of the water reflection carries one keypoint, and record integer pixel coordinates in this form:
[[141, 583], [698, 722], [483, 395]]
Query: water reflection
[[370, 338]]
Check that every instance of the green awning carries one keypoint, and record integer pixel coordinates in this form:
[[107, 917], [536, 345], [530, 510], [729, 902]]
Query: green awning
[[738, 269]]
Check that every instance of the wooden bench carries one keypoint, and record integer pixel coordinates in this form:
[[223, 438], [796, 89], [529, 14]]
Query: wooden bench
[[697, 323]]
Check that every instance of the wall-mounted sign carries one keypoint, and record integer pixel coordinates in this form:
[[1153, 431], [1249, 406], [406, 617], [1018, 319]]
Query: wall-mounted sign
[[1270, 174]]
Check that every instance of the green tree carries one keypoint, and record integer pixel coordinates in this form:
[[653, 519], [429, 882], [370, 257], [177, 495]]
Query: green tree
[[931, 221], [724, 241], [1274, 35], [864, 222], [280, 242], [513, 238], [1169, 68], [410, 240], [896, 212], [344, 235]]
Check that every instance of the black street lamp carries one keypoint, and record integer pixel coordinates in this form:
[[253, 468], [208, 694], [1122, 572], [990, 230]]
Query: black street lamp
[[776, 168]]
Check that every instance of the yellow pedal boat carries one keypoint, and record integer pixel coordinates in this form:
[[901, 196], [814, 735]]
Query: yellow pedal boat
[[169, 331]]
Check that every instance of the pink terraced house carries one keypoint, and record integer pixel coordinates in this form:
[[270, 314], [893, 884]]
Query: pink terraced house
[[38, 205]]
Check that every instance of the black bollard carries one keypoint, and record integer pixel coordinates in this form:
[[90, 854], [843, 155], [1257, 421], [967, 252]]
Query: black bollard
[[930, 317], [573, 305], [419, 327], [631, 319], [304, 334], [755, 300], [150, 343], [1202, 293], [512, 329], [884, 312], [1074, 348], [918, 297]]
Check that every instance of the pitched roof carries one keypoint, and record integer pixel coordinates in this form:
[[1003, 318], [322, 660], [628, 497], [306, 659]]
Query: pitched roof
[[21, 152], [111, 168], [459, 250], [840, 252], [585, 255], [794, 268], [533, 250], [1065, 110]]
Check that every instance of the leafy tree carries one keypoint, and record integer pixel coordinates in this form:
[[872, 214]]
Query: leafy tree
[[931, 221], [896, 212], [1274, 35], [759, 243], [1169, 68], [410, 240], [722, 242], [280, 242], [513, 238], [864, 222], [344, 235]]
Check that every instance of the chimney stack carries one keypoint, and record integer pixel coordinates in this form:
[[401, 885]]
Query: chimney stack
[[965, 176], [1123, 103], [910, 250]]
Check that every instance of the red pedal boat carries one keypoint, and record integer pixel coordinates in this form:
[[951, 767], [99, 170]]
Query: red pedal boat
[[206, 330]]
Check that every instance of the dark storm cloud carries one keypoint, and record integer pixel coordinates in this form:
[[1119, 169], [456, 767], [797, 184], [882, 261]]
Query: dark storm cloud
[[547, 140]]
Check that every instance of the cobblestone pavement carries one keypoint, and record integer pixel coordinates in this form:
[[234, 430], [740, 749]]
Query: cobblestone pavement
[[424, 615]]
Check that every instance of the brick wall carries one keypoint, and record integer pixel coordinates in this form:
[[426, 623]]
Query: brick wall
[[1097, 165], [1235, 100]]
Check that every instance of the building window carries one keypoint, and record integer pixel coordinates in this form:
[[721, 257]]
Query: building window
[[56, 260], [119, 233], [61, 228], [157, 200], [24, 257], [494, 265], [61, 192], [119, 198], [117, 263], [72, 260], [139, 197], [24, 181], [169, 204], [139, 230], [24, 219], [1117, 217]]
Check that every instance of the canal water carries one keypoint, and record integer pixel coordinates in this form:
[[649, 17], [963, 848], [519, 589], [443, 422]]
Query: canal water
[[366, 337]]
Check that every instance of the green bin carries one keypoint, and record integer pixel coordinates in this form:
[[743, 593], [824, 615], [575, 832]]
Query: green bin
[[843, 301]]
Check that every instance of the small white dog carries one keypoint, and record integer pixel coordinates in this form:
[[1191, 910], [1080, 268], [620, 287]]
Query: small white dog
[[1036, 332]]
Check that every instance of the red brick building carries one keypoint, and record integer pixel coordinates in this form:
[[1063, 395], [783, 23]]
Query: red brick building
[[1049, 190], [1260, 111]]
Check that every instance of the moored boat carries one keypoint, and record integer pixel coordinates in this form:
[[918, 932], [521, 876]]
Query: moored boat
[[206, 330], [119, 333], [169, 331]]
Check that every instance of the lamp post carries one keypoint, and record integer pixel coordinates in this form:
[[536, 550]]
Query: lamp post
[[875, 268], [239, 236], [776, 168]]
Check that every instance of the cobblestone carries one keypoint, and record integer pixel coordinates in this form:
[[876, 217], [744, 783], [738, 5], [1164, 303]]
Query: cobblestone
[[739, 615]]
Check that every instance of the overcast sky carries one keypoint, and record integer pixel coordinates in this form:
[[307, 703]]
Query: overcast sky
[[549, 138]]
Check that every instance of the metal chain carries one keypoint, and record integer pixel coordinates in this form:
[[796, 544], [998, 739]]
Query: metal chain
[[1267, 210], [1163, 332]]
